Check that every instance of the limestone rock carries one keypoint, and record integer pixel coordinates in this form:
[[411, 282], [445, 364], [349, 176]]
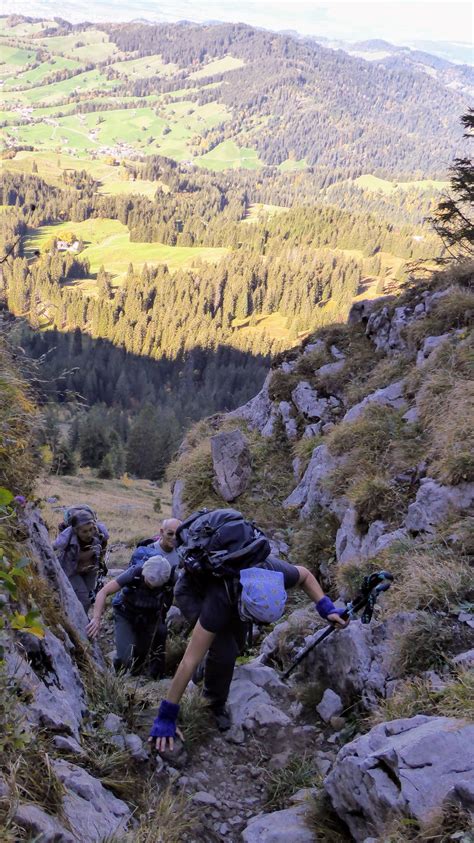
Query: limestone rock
[[258, 411], [384, 329], [354, 546], [249, 704], [435, 502], [69, 745], [44, 827], [305, 398], [330, 369], [310, 492], [356, 662], [288, 420], [135, 746], [280, 827], [402, 768], [330, 705], [113, 724], [389, 396], [178, 508], [429, 345], [91, 809], [232, 465]]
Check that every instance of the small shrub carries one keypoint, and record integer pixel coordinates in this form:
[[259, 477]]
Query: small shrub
[[196, 720], [313, 543], [299, 772], [426, 645], [416, 696], [323, 821], [282, 384], [168, 817]]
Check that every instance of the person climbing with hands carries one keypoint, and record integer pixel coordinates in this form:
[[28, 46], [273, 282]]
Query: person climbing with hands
[[230, 579]]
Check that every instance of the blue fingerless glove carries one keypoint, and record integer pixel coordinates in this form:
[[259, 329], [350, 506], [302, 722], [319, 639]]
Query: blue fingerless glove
[[326, 607], [164, 725]]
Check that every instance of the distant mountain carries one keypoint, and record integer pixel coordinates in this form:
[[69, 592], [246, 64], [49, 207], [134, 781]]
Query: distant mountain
[[450, 73]]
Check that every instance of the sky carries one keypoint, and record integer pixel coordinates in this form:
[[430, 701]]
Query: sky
[[402, 22]]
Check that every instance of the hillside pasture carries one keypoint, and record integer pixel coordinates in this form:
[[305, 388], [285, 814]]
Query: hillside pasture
[[145, 67], [36, 75], [107, 243], [51, 166], [89, 45], [377, 185], [218, 66], [259, 211], [229, 156]]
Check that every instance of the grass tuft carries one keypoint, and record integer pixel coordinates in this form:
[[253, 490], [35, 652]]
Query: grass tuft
[[323, 821], [299, 772], [416, 696], [169, 818], [426, 645]]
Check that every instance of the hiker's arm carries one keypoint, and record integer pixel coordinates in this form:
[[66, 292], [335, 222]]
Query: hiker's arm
[[164, 727], [93, 626], [310, 585], [197, 648]]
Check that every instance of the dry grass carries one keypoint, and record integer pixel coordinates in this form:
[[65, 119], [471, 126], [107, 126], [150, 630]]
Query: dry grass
[[427, 644], [323, 821], [445, 825], [195, 719], [31, 778], [125, 506], [416, 696], [455, 310], [376, 447], [169, 818], [299, 772], [19, 422], [378, 376], [313, 541]]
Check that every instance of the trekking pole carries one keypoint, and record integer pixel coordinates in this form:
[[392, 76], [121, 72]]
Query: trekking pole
[[371, 587]]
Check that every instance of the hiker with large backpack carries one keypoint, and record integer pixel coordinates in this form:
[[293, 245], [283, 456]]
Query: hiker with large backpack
[[80, 548], [144, 593], [230, 579]]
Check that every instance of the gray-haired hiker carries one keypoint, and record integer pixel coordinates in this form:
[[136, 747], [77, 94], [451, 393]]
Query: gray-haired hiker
[[221, 600], [80, 550], [140, 608]]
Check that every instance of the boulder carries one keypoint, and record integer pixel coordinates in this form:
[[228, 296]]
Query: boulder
[[435, 502], [389, 396], [280, 827], [42, 826], [258, 411], [232, 464], [384, 329], [330, 369], [289, 421], [249, 704], [88, 807], [404, 768], [310, 492], [330, 706], [306, 400], [429, 345], [356, 662], [354, 546], [178, 508]]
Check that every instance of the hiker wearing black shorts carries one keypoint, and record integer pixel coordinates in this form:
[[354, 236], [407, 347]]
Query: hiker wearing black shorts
[[144, 593], [221, 608]]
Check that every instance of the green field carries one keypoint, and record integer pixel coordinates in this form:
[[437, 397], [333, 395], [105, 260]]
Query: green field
[[144, 67], [90, 45], [107, 243], [35, 76], [217, 66], [376, 185], [259, 211], [290, 165], [228, 156]]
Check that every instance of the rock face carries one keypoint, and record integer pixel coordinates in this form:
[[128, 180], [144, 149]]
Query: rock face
[[307, 401], [310, 491], [280, 827], [434, 502], [91, 810], [259, 411], [402, 768], [389, 396], [232, 465], [249, 703]]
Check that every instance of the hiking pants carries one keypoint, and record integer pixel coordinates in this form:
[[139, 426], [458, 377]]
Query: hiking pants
[[140, 643], [83, 584], [227, 645]]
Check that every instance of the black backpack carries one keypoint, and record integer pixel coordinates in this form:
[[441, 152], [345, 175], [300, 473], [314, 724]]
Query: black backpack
[[220, 542]]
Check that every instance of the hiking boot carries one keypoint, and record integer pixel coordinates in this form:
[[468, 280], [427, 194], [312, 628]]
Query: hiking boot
[[222, 717]]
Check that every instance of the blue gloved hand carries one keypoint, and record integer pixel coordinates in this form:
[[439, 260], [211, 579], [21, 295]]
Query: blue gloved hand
[[164, 725], [326, 607]]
